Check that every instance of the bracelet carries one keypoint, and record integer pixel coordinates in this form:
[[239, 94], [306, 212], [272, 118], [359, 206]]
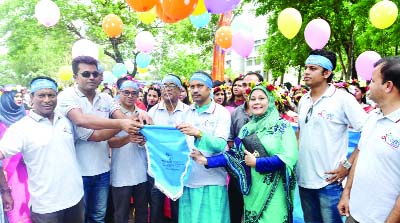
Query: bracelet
[[200, 134], [5, 190]]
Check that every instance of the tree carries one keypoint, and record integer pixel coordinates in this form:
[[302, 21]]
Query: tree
[[351, 34]]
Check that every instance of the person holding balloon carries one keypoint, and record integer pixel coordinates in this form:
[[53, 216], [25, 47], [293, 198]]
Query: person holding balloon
[[325, 114]]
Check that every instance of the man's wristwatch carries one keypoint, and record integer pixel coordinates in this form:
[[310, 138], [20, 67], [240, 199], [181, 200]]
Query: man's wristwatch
[[346, 164]]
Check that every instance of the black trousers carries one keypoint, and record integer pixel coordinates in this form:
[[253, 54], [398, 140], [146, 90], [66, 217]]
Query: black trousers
[[74, 214], [121, 199], [157, 206], [236, 204]]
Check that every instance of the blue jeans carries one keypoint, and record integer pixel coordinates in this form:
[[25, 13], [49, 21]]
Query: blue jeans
[[95, 195], [320, 205]]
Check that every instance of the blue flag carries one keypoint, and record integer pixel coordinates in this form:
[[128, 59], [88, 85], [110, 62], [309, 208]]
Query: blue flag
[[168, 157]]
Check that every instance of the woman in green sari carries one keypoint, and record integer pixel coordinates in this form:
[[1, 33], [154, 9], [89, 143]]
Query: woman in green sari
[[263, 160]]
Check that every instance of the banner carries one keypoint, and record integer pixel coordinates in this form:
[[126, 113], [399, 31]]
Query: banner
[[168, 158], [218, 69]]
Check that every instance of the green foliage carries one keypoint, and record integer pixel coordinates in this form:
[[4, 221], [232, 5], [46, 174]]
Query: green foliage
[[351, 34]]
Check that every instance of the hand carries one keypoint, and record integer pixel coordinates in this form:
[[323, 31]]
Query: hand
[[198, 157], [8, 202], [337, 174], [137, 138], [144, 118], [249, 158], [131, 126], [188, 129], [343, 206]]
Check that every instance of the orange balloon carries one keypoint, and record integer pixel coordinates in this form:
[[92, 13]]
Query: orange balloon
[[141, 5], [178, 9], [223, 37], [164, 17], [112, 25]]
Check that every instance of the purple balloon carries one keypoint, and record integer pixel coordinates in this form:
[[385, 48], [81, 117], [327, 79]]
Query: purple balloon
[[220, 6], [317, 33], [365, 64], [242, 43], [144, 42]]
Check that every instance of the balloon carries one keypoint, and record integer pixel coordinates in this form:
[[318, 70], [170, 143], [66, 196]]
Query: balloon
[[243, 43], [200, 8], [178, 9], [112, 25], [242, 23], [289, 22], [65, 73], [84, 47], [47, 13], [108, 77], [164, 17], [147, 17], [220, 6], [200, 21], [317, 33], [141, 5], [142, 70], [143, 60], [365, 64], [223, 37], [383, 14], [119, 70], [144, 41]]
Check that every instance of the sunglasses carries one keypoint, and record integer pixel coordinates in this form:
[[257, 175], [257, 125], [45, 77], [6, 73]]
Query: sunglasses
[[126, 93], [87, 74], [309, 113]]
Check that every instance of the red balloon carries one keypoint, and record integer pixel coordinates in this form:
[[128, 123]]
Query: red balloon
[[141, 5], [178, 9], [164, 17]]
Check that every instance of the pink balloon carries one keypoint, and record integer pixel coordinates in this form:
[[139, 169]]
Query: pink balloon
[[317, 33], [47, 13], [144, 42], [365, 64], [242, 43], [220, 6]]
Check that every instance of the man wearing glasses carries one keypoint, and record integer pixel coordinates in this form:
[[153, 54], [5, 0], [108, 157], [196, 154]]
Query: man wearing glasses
[[325, 115], [168, 111], [89, 110], [128, 162]]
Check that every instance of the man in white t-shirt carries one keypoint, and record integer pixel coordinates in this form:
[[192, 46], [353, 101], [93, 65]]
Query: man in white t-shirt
[[89, 110], [372, 191], [325, 115], [46, 140]]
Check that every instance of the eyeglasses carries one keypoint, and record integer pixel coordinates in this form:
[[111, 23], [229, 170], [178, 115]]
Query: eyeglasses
[[169, 86], [87, 74], [126, 93], [309, 113]]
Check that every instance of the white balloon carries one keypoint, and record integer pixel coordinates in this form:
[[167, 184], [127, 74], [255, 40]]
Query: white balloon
[[47, 13], [84, 47]]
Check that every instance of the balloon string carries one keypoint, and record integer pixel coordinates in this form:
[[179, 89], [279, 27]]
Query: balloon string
[[383, 35]]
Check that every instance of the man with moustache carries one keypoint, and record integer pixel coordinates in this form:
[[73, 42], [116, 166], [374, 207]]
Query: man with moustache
[[46, 140], [169, 111], [325, 115], [206, 123]]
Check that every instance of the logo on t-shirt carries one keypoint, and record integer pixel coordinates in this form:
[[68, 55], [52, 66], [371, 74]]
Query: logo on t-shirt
[[325, 115], [392, 140]]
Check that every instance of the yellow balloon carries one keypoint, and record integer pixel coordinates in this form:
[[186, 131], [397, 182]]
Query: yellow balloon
[[289, 22], [147, 17], [383, 14], [200, 8], [65, 73], [142, 70]]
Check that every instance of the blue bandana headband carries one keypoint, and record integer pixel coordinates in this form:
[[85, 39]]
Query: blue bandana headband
[[43, 84], [129, 84], [203, 78], [320, 61], [173, 79]]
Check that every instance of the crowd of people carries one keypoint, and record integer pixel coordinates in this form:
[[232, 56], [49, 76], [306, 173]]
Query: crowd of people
[[77, 155]]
